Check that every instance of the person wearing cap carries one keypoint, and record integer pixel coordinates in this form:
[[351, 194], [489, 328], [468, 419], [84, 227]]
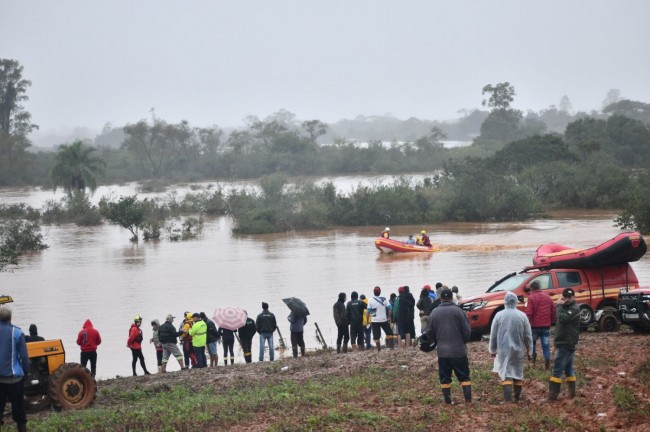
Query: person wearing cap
[[378, 310], [88, 338], [511, 340], [167, 334], [341, 321], [410, 240], [266, 326], [246, 334], [14, 367], [567, 333], [354, 311], [134, 342], [213, 338], [540, 311], [424, 306], [386, 233], [199, 334], [449, 327]]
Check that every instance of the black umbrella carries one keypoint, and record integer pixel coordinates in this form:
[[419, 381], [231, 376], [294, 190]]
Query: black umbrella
[[296, 306]]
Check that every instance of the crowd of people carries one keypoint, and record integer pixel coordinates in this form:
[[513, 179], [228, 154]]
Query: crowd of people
[[443, 326]]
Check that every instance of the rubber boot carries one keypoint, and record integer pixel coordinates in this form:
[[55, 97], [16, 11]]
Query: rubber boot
[[507, 391], [248, 357], [338, 348], [547, 364], [553, 390], [446, 395], [378, 343], [232, 360], [146, 372], [225, 361], [302, 351], [571, 387], [467, 392], [294, 350], [518, 386]]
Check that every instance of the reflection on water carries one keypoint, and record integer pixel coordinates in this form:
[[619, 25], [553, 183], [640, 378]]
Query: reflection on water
[[98, 273]]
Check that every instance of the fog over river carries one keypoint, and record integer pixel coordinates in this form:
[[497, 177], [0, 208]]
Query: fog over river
[[97, 273]]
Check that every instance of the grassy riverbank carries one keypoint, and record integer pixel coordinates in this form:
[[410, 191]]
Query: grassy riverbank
[[390, 390]]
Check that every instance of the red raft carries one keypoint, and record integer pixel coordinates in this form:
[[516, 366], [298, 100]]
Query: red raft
[[624, 248], [390, 246]]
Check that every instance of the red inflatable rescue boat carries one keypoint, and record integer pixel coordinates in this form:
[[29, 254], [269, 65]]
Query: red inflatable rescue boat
[[390, 246]]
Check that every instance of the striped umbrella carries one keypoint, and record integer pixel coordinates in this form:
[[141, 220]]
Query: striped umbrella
[[229, 317]]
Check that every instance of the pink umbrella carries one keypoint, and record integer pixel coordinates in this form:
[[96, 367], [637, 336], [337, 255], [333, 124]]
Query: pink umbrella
[[229, 317]]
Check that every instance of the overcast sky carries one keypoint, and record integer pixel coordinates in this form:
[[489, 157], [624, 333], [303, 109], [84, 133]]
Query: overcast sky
[[215, 62]]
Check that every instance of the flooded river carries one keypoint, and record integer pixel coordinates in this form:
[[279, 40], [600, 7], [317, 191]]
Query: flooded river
[[97, 273]]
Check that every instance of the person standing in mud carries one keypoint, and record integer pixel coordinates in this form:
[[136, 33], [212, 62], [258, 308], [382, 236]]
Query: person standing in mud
[[297, 329], [155, 340], [341, 321], [449, 327], [266, 326], [354, 311], [406, 316], [14, 367], [213, 338], [567, 334], [246, 334], [228, 342], [168, 338], [134, 343], [199, 334], [378, 310], [540, 311], [88, 339], [424, 306], [511, 340], [367, 322]]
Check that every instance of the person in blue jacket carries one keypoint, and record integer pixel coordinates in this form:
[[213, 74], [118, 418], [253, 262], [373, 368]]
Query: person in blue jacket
[[14, 366]]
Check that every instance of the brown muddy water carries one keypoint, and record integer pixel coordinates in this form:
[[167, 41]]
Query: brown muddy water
[[97, 273]]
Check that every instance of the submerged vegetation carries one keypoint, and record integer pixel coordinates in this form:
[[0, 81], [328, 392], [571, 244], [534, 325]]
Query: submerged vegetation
[[518, 165]]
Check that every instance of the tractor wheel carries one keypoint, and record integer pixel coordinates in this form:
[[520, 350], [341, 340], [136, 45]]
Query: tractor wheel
[[609, 323], [72, 387]]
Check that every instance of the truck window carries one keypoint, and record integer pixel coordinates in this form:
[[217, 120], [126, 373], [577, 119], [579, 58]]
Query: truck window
[[568, 279], [545, 281]]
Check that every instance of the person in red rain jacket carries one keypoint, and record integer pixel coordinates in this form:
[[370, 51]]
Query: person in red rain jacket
[[88, 339], [135, 344], [540, 311]]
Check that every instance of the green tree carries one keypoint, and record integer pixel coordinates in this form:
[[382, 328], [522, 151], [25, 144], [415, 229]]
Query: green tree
[[314, 129], [15, 123], [76, 168], [636, 210], [16, 238], [633, 109], [432, 141], [126, 212], [501, 95]]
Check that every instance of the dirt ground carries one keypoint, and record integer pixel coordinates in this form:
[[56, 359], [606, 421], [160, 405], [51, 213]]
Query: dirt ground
[[603, 360]]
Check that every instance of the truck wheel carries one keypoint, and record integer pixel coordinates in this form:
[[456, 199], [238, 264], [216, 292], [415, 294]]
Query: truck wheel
[[609, 323], [72, 387], [586, 316]]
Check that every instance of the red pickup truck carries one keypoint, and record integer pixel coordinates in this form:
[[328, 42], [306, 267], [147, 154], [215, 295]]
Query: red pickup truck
[[597, 291]]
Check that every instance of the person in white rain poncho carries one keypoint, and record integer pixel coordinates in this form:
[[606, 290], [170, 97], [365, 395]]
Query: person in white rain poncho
[[511, 341]]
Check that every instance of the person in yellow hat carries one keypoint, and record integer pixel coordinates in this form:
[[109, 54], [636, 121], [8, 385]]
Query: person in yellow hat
[[188, 350], [386, 233], [425, 238]]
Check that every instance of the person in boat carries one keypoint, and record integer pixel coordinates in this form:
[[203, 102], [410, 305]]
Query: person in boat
[[425, 238], [411, 240], [386, 233]]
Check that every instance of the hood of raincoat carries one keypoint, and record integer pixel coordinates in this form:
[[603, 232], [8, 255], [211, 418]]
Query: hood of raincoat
[[510, 300]]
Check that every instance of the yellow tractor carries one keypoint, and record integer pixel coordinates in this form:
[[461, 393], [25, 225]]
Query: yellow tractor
[[52, 381]]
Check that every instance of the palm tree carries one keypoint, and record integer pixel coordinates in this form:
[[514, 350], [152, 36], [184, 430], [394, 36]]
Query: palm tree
[[75, 168]]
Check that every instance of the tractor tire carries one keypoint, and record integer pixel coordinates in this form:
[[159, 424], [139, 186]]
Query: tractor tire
[[609, 323], [72, 387]]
